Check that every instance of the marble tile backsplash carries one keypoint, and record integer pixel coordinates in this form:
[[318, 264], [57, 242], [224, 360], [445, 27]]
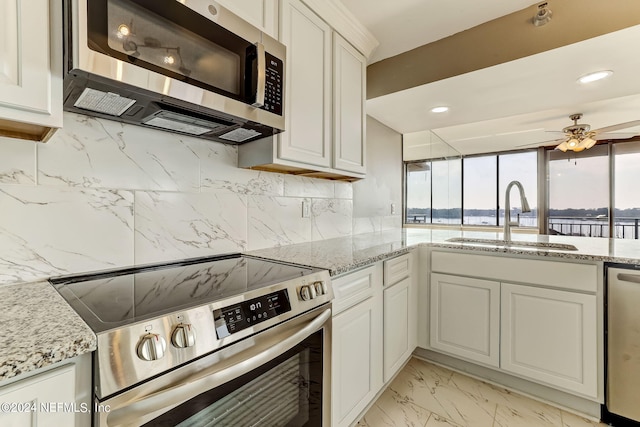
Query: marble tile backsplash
[[102, 194]]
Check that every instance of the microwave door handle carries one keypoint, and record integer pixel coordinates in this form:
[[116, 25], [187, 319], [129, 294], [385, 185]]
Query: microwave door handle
[[261, 86], [172, 396]]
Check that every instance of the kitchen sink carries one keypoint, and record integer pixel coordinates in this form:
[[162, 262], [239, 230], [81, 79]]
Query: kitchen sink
[[497, 242]]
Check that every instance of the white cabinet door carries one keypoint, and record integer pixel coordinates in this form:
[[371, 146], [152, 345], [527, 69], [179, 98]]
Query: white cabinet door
[[356, 360], [349, 87], [262, 14], [550, 336], [29, 92], [396, 331], [51, 400], [307, 138], [465, 317]]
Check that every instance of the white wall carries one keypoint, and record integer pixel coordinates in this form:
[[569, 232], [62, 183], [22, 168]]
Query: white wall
[[373, 196], [101, 194]]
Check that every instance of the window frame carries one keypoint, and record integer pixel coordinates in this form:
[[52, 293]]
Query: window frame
[[462, 189], [543, 187]]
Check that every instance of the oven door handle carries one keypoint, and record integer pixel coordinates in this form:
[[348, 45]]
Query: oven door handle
[[174, 395]]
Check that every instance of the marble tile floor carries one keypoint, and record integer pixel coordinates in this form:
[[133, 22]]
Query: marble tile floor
[[426, 395]]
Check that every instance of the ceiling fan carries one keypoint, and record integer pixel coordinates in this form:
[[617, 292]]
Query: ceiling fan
[[579, 136]]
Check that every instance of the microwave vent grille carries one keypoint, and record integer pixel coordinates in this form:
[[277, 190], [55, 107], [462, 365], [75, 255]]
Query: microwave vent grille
[[240, 135], [181, 123], [103, 102]]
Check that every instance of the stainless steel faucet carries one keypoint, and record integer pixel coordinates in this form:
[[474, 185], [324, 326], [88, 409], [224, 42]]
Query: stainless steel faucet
[[507, 208]]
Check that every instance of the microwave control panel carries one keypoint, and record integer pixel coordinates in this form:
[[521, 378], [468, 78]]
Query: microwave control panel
[[234, 318], [273, 96]]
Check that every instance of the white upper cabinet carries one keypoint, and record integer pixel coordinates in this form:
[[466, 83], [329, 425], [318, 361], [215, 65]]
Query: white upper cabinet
[[262, 14], [308, 86], [325, 94], [349, 117], [30, 93]]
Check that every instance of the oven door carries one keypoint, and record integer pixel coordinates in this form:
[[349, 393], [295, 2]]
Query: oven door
[[279, 377]]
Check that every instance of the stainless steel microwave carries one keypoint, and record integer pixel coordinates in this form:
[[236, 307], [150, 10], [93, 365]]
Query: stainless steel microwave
[[185, 66]]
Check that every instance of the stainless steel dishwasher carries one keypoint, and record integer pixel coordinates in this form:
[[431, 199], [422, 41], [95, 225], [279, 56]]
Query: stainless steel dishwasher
[[623, 346]]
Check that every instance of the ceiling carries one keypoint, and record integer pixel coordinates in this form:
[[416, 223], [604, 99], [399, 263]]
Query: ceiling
[[402, 25], [522, 103]]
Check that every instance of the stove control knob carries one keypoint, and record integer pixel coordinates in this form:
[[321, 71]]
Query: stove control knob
[[151, 347], [308, 292], [321, 287], [183, 336]]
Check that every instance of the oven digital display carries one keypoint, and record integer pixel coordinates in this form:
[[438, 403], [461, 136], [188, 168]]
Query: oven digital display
[[234, 318]]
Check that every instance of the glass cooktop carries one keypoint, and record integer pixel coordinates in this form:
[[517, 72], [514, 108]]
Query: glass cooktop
[[111, 299]]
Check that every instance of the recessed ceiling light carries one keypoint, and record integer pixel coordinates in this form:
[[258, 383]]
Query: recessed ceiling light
[[592, 77], [439, 109]]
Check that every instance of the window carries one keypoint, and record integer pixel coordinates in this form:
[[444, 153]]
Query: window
[[480, 190], [485, 183], [579, 192], [433, 192], [522, 167], [626, 213], [446, 191], [418, 192], [471, 191]]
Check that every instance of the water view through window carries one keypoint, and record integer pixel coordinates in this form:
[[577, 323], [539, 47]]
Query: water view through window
[[471, 191], [579, 192], [626, 213], [522, 167], [480, 190]]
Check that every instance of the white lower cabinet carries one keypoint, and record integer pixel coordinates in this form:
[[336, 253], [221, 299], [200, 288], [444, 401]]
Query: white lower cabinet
[[538, 320], [396, 332], [356, 343], [39, 401], [356, 360], [465, 317], [374, 332], [549, 336]]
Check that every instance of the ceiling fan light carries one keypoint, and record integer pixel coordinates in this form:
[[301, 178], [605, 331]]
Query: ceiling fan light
[[562, 146], [588, 142], [573, 143], [594, 77]]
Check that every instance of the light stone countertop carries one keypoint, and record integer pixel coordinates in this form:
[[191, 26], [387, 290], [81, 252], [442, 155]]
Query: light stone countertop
[[343, 254], [38, 328]]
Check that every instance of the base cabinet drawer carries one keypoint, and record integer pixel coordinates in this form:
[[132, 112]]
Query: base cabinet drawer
[[354, 287], [550, 336]]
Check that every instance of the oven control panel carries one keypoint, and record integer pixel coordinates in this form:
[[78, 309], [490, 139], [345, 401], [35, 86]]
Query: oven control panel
[[234, 318]]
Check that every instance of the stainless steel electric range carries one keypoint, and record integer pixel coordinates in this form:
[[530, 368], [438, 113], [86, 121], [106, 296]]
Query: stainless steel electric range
[[225, 341]]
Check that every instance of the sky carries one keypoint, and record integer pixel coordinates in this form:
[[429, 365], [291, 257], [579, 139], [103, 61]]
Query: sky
[[627, 178]]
